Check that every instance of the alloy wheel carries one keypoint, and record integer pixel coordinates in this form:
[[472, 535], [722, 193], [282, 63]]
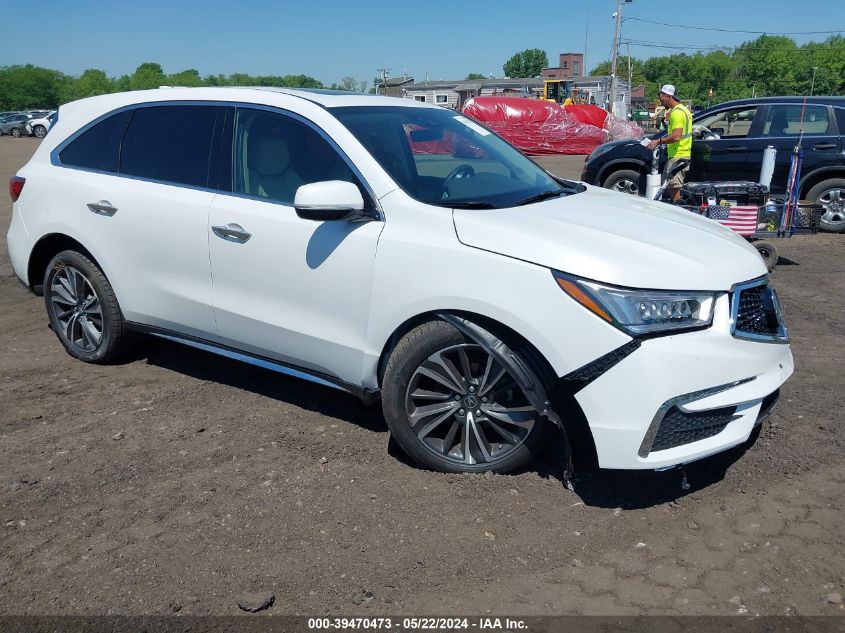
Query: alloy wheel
[[833, 201], [626, 185], [77, 309], [463, 405]]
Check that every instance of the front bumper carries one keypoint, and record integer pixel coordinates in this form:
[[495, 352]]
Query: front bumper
[[648, 411]]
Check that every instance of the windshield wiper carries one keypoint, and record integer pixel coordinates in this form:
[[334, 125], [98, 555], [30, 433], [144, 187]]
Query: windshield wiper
[[472, 204], [545, 195]]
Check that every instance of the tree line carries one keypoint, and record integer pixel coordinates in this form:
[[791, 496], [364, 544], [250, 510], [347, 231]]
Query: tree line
[[767, 66], [28, 87]]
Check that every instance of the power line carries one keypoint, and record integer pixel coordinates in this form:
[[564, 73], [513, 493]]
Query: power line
[[704, 28]]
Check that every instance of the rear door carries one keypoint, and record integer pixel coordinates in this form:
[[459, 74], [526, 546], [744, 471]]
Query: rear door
[[725, 158], [137, 193], [781, 127]]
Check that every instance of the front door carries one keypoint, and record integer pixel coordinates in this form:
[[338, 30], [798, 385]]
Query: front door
[[289, 289], [725, 158]]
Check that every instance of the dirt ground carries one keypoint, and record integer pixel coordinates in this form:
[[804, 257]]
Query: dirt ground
[[175, 481]]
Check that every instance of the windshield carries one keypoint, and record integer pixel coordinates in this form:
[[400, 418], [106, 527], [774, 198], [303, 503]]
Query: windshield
[[440, 157]]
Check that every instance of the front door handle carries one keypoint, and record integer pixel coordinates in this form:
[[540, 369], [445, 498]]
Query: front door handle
[[103, 207], [232, 233], [821, 146], [736, 148]]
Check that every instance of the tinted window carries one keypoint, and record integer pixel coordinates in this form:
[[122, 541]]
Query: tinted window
[[788, 120], [276, 154], [99, 146], [171, 143]]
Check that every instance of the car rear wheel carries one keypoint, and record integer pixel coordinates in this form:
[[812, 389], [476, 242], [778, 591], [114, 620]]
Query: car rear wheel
[[40, 131], [625, 181], [831, 195], [83, 309], [453, 407]]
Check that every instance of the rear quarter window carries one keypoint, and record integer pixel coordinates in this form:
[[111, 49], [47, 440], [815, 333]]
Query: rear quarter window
[[99, 146]]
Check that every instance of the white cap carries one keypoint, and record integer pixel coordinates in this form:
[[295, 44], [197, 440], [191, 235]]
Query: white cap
[[668, 89]]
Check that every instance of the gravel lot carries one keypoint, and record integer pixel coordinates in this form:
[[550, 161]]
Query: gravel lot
[[176, 481]]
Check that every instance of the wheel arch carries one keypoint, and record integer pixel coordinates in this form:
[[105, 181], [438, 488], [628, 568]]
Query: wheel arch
[[574, 421], [44, 250], [621, 163], [820, 175]]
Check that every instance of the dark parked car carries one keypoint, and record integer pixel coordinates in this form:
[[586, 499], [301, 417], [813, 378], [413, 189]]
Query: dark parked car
[[728, 144], [15, 125]]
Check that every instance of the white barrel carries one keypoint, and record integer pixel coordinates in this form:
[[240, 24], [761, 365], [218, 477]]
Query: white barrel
[[652, 184], [768, 167]]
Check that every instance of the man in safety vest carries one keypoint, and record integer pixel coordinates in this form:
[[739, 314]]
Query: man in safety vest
[[678, 138]]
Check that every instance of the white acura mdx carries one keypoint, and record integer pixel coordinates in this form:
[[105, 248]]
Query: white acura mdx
[[398, 250]]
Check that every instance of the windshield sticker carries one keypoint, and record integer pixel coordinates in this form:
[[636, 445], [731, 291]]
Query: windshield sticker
[[472, 125]]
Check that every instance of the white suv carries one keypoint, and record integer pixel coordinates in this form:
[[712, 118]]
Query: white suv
[[397, 250]]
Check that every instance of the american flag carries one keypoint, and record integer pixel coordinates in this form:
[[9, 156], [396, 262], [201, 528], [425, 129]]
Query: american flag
[[742, 219]]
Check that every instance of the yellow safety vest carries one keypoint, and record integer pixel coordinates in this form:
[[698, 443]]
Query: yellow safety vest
[[680, 117]]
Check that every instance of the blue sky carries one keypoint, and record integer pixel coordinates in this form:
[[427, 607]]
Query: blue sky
[[330, 40]]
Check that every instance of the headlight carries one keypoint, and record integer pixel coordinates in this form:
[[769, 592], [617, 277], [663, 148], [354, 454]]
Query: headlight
[[640, 312]]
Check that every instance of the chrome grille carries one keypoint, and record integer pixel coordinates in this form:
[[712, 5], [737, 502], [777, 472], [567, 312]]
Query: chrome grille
[[757, 314]]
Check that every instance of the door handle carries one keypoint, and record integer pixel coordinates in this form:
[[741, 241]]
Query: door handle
[[103, 207], [232, 233], [825, 146], [736, 148]]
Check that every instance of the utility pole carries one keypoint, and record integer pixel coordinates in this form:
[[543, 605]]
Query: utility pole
[[385, 73], [615, 55], [586, 38], [630, 76], [813, 83]]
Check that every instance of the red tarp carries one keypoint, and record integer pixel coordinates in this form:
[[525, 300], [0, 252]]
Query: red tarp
[[537, 126]]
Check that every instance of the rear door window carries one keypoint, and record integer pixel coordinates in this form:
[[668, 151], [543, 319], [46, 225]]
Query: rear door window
[[99, 146], [169, 143], [789, 120]]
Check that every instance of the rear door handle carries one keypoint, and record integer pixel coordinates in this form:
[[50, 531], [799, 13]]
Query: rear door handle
[[736, 148], [825, 146], [103, 207], [232, 233]]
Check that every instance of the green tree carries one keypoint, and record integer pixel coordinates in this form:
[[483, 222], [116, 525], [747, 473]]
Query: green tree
[[23, 87], [476, 76], [527, 63], [190, 77], [91, 83], [147, 76]]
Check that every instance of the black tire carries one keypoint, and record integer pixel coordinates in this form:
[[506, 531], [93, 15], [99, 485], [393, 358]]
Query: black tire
[[39, 131], [769, 254], [16, 132], [70, 321], [831, 195], [401, 374], [625, 181]]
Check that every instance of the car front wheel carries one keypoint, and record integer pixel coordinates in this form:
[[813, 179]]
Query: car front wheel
[[83, 309], [40, 131], [16, 132], [625, 181], [453, 407]]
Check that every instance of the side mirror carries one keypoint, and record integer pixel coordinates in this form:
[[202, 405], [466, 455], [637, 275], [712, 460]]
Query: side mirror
[[329, 200]]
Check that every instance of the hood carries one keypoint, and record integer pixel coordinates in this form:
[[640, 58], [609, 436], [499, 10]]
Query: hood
[[615, 238]]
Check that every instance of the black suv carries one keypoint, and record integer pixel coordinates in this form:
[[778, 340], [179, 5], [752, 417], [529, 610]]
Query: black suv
[[728, 144]]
